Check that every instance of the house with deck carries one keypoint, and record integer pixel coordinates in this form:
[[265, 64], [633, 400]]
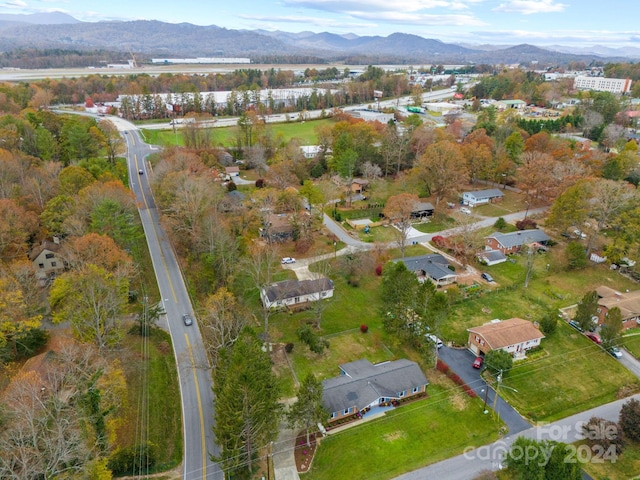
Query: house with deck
[[364, 387], [514, 336]]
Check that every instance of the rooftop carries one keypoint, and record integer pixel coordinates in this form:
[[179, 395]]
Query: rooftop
[[507, 332]]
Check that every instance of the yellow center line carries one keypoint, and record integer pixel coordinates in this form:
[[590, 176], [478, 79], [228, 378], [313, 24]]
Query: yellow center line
[[146, 204], [195, 378]]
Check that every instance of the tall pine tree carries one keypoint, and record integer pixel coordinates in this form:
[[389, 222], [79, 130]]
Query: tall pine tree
[[247, 409]]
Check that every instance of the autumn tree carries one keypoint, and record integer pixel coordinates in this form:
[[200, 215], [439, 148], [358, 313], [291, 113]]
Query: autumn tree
[[16, 228], [398, 210], [98, 250], [112, 141], [440, 169], [308, 410], [260, 265], [93, 300], [247, 412], [221, 322], [570, 208], [630, 419]]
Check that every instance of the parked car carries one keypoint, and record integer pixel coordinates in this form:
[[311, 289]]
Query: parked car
[[477, 363], [615, 352], [465, 210], [287, 260], [186, 318], [575, 325], [594, 337], [438, 343], [487, 277]]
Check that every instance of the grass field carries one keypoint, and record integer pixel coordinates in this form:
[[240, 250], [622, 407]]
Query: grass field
[[159, 396], [406, 438], [574, 375], [626, 465], [282, 133]]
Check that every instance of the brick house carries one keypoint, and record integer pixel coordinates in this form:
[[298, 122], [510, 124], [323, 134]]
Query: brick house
[[514, 336], [512, 242], [627, 302]]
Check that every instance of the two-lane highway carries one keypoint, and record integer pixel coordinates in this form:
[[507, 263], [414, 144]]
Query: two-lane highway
[[193, 367]]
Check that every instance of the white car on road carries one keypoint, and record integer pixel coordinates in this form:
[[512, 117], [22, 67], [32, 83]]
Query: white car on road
[[287, 260]]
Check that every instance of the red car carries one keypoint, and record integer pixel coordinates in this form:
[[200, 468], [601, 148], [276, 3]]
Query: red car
[[594, 337], [477, 363]]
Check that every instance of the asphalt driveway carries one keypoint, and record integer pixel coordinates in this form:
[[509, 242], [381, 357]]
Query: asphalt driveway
[[460, 360]]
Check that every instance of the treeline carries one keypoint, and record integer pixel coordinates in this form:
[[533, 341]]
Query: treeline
[[552, 126], [36, 58]]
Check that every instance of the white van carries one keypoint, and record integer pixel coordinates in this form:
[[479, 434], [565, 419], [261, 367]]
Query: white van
[[434, 339]]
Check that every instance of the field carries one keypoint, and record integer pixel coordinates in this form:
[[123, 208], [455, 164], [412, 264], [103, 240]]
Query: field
[[282, 133]]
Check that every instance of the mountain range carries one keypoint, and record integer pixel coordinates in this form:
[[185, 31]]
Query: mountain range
[[148, 38]]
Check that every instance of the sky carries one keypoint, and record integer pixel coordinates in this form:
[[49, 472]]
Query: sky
[[612, 23]]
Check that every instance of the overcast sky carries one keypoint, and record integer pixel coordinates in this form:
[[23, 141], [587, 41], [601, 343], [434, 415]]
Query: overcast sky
[[539, 22]]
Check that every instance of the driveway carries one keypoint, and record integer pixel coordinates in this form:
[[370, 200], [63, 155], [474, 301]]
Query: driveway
[[460, 360]]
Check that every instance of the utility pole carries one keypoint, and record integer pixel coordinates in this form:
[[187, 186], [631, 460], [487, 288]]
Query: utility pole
[[495, 398]]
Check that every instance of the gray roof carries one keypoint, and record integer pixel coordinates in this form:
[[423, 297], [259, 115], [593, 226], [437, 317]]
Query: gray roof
[[421, 206], [434, 265], [297, 288], [363, 383], [493, 255], [489, 193], [521, 237]]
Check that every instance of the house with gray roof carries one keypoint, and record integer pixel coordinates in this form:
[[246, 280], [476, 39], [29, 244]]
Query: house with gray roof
[[434, 267], [481, 197], [512, 242], [363, 386], [422, 210], [296, 292]]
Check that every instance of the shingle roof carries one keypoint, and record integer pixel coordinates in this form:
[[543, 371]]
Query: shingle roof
[[363, 382], [434, 265], [45, 245], [421, 206], [508, 332], [627, 302], [521, 237], [489, 193], [492, 255], [297, 288]]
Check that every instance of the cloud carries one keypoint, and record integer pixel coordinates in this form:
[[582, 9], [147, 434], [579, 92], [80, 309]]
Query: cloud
[[419, 19], [14, 4], [528, 7], [347, 6], [560, 37]]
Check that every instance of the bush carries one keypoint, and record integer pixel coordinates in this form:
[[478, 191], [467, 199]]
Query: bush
[[231, 186], [500, 224], [260, 183], [288, 347], [364, 328], [379, 270], [526, 224], [630, 419], [127, 460], [315, 343], [439, 241], [549, 324]]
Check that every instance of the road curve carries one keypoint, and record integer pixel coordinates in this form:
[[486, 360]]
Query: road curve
[[193, 367]]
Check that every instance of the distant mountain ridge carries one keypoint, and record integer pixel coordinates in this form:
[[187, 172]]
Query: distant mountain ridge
[[154, 38]]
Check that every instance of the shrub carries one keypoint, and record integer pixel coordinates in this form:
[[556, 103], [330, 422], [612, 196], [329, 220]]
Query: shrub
[[500, 224], [442, 367], [288, 347], [260, 183], [439, 241], [315, 343], [364, 328], [134, 458], [231, 186], [526, 224], [379, 270], [630, 419]]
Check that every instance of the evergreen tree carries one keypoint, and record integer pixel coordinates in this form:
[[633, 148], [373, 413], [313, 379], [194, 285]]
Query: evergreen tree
[[308, 410], [247, 409], [587, 308]]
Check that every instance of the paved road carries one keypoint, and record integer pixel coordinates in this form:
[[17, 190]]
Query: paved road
[[629, 361], [193, 367]]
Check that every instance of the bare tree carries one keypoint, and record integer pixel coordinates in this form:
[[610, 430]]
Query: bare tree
[[398, 211], [261, 264]]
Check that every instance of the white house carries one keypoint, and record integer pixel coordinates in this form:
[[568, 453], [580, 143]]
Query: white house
[[481, 197], [46, 261], [296, 292]]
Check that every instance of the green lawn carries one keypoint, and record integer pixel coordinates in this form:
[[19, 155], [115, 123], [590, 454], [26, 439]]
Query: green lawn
[[631, 341], [160, 396], [305, 132], [573, 375], [626, 465], [406, 438]]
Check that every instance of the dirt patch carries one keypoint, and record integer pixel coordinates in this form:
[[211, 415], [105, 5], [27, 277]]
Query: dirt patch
[[390, 437]]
